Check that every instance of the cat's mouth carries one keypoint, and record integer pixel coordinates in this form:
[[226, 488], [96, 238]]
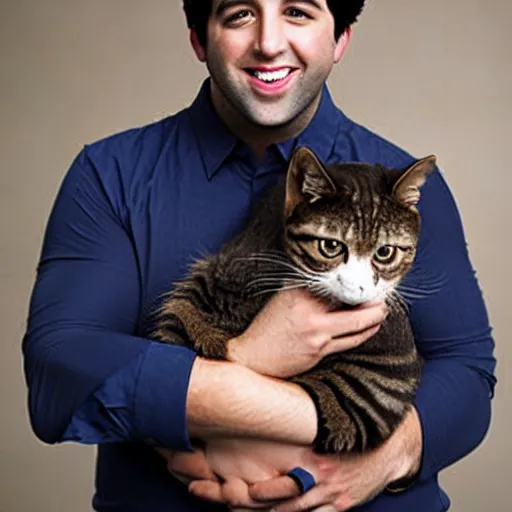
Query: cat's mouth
[[270, 75]]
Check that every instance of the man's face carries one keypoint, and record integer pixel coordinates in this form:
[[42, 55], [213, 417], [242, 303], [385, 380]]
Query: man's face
[[268, 59]]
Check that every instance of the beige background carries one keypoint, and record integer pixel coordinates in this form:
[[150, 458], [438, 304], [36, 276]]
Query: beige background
[[432, 76]]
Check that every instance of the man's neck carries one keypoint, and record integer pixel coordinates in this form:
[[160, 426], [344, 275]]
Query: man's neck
[[259, 138]]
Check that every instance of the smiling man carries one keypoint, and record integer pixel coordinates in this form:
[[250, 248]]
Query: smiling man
[[268, 65], [129, 219]]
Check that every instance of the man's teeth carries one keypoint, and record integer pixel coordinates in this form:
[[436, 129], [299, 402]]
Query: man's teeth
[[272, 76]]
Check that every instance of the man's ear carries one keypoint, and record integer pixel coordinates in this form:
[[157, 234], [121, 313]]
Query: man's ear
[[341, 44], [198, 48]]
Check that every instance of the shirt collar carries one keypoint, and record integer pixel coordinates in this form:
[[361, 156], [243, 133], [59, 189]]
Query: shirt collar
[[216, 142]]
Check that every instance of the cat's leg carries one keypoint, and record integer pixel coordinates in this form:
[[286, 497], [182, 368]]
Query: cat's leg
[[357, 410], [338, 429], [362, 395], [180, 317]]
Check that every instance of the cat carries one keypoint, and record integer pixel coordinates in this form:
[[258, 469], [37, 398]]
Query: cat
[[348, 233]]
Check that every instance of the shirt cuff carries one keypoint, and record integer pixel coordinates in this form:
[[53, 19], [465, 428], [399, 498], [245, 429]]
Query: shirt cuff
[[107, 415], [161, 396]]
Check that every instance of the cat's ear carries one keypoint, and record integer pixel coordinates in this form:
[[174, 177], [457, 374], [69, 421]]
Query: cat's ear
[[306, 179], [407, 189]]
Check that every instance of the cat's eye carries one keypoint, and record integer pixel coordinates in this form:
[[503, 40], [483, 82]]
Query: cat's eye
[[385, 254], [331, 248]]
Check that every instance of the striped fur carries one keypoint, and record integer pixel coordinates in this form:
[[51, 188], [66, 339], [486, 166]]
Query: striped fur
[[306, 233]]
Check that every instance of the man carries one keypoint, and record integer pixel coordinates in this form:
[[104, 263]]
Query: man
[[130, 217]]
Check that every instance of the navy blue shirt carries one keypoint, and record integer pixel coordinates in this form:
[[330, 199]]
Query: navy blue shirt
[[134, 210]]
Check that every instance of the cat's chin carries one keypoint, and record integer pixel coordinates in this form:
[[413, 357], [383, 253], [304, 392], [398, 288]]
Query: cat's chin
[[351, 305], [337, 303], [351, 302]]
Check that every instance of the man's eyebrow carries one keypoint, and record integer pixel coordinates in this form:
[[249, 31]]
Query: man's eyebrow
[[313, 3], [224, 5]]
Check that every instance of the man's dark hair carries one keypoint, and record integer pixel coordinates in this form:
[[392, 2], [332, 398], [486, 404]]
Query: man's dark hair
[[345, 12]]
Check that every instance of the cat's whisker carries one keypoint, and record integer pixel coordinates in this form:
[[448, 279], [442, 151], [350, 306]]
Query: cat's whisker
[[270, 259], [395, 301], [263, 282], [276, 253], [423, 279], [290, 287], [273, 279], [298, 280], [394, 294], [320, 291], [279, 262], [319, 280], [409, 296], [281, 288], [419, 291], [278, 275]]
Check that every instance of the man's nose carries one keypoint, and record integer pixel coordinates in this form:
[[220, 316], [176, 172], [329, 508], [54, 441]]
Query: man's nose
[[271, 38]]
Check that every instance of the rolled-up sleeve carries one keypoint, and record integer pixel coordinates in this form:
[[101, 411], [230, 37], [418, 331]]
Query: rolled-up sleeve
[[89, 378]]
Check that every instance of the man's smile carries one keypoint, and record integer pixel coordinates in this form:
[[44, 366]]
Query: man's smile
[[270, 75]]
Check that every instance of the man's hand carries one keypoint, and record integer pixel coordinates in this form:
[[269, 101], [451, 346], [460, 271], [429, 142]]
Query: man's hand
[[348, 481], [295, 331], [186, 466], [241, 462], [343, 482]]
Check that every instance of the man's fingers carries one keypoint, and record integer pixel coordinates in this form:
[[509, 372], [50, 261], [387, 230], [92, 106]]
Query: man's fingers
[[236, 494], [285, 488], [207, 490], [371, 304], [233, 492], [360, 319], [352, 341], [347, 322], [184, 479], [279, 488], [193, 465], [315, 499]]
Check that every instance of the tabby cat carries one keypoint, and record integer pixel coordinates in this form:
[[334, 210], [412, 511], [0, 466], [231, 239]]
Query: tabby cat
[[347, 233]]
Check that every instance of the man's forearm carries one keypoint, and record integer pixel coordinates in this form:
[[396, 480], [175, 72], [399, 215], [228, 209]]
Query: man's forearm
[[403, 452], [228, 400], [450, 418], [290, 335]]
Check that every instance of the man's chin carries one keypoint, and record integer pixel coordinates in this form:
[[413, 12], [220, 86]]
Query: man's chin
[[270, 123]]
